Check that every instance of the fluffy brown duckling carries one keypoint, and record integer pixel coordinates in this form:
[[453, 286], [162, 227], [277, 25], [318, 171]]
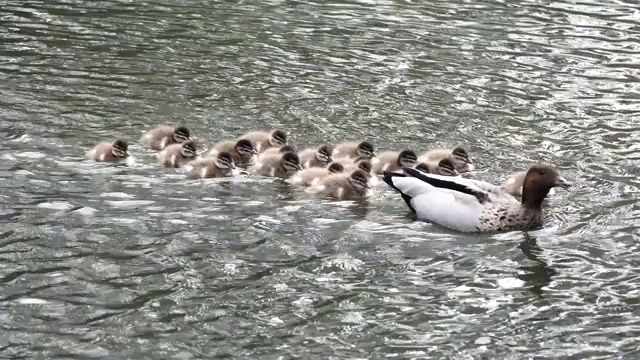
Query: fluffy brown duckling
[[277, 165], [164, 135], [318, 157], [106, 151], [262, 140], [177, 155], [311, 176], [458, 155], [393, 161]]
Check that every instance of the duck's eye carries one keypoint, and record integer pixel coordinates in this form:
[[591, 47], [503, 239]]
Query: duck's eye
[[543, 172]]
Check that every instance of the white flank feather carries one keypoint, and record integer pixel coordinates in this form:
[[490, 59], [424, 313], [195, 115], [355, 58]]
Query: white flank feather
[[163, 143], [101, 157], [172, 161]]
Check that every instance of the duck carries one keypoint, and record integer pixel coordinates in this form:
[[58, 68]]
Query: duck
[[177, 155], [262, 140], [343, 186], [277, 165], [220, 165], [311, 176], [393, 161], [318, 157], [242, 151], [469, 205], [353, 150], [277, 150], [109, 151], [514, 182], [164, 135], [443, 167], [458, 155]]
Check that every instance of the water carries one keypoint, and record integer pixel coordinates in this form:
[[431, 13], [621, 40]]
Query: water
[[103, 261]]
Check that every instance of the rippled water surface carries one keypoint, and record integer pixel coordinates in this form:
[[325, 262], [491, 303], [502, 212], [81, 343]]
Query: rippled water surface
[[103, 261]]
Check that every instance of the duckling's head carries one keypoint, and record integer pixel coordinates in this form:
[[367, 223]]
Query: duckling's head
[[119, 149], [447, 167], [244, 147], [359, 179], [224, 161], [461, 157], [537, 183], [424, 167], [365, 165], [291, 162], [278, 138], [407, 158], [188, 149], [181, 134], [365, 149], [335, 168], [286, 149], [324, 153]]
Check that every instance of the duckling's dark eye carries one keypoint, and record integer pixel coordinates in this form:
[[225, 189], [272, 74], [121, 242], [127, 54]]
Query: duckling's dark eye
[[543, 172]]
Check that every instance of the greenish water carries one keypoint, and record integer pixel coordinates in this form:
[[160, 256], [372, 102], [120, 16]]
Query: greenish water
[[115, 262]]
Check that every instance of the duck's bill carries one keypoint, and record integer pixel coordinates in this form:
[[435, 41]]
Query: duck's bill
[[562, 182]]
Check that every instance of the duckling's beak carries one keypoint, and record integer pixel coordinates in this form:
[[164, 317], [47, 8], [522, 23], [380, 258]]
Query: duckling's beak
[[562, 182], [254, 152], [127, 154]]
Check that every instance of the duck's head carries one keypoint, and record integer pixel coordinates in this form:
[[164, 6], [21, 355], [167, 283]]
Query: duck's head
[[244, 147], [278, 138], [365, 149], [407, 158], [224, 161], [188, 149], [537, 183], [290, 162], [360, 180], [119, 149], [324, 153], [335, 168], [181, 134]]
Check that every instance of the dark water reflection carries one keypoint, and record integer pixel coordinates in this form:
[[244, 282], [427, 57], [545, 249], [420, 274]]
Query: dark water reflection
[[137, 262]]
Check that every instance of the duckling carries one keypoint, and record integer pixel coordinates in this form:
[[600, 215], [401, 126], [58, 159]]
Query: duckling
[[177, 155], [458, 155], [262, 140], [241, 151], [319, 157], [105, 151], [164, 135], [363, 164], [278, 165], [354, 150], [276, 150], [311, 176], [344, 186], [220, 165], [513, 184], [444, 167], [393, 161]]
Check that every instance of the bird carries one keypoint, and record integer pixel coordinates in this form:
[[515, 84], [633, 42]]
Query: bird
[[242, 151], [277, 150], [311, 176], [318, 157], [393, 161], [443, 167], [468, 205], [262, 140], [177, 155], [514, 182], [361, 163], [353, 150], [343, 186], [164, 135], [458, 155], [277, 165], [106, 151], [220, 165]]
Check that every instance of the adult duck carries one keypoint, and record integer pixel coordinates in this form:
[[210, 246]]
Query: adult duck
[[475, 206]]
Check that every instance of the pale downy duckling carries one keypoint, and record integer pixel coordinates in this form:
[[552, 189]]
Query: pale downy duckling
[[444, 167], [458, 155], [164, 135], [220, 165], [311, 176], [277, 165], [354, 150], [475, 206], [276, 150], [361, 163], [241, 151], [177, 155], [106, 151], [513, 184], [393, 161], [262, 140], [319, 157], [344, 186]]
